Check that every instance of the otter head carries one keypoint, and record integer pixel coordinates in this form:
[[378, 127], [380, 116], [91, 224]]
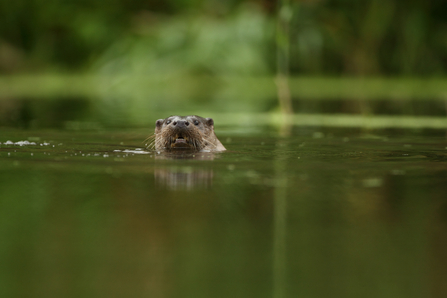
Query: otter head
[[186, 132]]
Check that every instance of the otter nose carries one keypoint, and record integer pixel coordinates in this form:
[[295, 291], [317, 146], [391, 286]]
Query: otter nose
[[180, 123]]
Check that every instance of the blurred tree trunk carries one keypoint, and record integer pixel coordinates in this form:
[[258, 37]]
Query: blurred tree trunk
[[282, 42]]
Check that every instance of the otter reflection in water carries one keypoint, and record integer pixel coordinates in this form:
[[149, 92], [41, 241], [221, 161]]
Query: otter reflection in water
[[185, 133], [184, 176], [184, 137]]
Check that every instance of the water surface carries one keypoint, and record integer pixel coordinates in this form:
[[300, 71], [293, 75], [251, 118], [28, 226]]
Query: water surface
[[313, 213]]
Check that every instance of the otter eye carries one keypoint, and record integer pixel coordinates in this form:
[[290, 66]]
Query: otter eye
[[169, 121], [196, 122]]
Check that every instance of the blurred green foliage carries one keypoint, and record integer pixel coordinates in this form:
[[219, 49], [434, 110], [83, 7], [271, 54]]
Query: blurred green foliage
[[371, 37], [194, 45]]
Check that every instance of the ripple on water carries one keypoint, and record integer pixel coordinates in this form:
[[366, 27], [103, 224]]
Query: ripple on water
[[25, 143], [135, 151]]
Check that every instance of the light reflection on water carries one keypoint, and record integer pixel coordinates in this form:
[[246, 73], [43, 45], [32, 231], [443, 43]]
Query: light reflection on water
[[317, 214]]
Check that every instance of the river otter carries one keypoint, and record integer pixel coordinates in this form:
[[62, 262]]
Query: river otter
[[185, 132]]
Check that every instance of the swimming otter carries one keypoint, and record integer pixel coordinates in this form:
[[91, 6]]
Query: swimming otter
[[185, 132]]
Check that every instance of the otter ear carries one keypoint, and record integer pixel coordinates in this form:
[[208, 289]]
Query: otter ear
[[209, 121], [159, 123]]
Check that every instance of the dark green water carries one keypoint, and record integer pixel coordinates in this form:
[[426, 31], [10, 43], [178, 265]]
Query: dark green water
[[317, 213]]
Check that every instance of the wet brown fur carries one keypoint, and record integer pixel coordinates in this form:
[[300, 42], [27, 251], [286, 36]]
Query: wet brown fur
[[197, 133]]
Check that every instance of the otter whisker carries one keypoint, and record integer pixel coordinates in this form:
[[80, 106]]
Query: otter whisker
[[154, 144], [150, 137], [152, 141], [150, 145]]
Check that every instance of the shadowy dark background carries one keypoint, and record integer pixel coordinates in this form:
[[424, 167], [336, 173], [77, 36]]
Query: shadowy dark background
[[127, 63], [371, 37]]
